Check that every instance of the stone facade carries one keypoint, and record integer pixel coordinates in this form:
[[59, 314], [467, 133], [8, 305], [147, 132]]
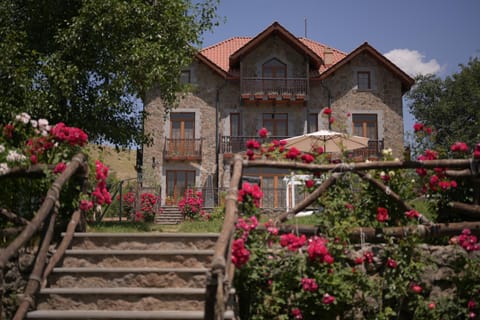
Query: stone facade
[[217, 96]]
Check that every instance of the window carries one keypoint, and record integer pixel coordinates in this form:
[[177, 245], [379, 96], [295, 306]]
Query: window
[[276, 124], [312, 122], [235, 125], [365, 125], [185, 77], [178, 181], [364, 80]]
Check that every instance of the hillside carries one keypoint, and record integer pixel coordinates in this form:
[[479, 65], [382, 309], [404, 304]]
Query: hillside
[[121, 164]]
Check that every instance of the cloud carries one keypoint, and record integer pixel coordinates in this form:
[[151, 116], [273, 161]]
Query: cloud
[[413, 62]]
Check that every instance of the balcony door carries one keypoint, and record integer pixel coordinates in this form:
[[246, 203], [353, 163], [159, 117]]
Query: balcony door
[[182, 133], [276, 124], [365, 125], [274, 73], [178, 181]]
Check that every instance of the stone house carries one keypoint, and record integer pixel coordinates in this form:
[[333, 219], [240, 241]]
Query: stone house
[[273, 80]]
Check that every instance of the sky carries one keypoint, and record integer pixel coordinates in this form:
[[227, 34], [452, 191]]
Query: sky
[[419, 36]]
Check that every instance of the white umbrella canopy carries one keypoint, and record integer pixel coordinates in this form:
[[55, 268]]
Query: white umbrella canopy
[[330, 141]]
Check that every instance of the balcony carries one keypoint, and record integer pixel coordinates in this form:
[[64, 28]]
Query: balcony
[[238, 144], [373, 152], [274, 89], [182, 149], [230, 145]]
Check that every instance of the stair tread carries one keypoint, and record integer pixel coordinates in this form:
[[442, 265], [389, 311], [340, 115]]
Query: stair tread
[[98, 314], [138, 251], [125, 270], [131, 235], [123, 290]]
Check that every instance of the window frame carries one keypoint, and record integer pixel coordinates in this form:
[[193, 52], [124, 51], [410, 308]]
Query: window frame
[[235, 118], [312, 120], [186, 76], [362, 81], [274, 121]]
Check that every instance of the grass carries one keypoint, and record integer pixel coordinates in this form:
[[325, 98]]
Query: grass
[[124, 227]]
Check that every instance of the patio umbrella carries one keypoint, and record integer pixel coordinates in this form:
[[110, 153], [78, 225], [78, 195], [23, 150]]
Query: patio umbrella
[[330, 141]]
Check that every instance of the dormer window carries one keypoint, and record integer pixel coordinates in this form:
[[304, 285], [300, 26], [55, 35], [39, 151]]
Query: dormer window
[[364, 81]]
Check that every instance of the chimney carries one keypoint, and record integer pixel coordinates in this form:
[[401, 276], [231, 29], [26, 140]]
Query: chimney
[[328, 57]]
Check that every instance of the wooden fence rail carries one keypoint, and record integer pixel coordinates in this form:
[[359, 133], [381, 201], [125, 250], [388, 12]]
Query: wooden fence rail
[[77, 166], [220, 280]]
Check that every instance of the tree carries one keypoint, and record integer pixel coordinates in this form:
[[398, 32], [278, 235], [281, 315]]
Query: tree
[[450, 106], [88, 63]]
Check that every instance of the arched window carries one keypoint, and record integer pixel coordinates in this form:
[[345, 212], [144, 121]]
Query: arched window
[[274, 68]]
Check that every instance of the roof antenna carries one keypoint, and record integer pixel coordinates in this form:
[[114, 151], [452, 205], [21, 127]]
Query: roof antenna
[[305, 19]]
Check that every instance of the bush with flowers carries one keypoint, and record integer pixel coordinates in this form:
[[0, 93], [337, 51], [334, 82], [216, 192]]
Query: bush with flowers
[[325, 276], [26, 142], [191, 205], [146, 206]]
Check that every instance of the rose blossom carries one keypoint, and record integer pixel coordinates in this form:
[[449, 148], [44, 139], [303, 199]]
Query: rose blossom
[[328, 299], [262, 133], [382, 214]]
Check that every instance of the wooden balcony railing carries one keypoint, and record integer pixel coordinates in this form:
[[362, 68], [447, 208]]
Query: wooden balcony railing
[[374, 150], [182, 149], [274, 88], [238, 144]]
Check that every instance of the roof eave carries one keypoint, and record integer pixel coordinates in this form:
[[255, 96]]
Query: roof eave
[[212, 66]]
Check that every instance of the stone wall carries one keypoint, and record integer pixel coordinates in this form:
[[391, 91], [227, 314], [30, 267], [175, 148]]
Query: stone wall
[[385, 99], [16, 275]]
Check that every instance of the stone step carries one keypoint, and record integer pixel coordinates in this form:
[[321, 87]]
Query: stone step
[[128, 277], [120, 315], [104, 258], [122, 299], [148, 241]]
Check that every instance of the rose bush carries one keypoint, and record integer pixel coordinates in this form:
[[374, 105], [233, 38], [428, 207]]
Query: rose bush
[[191, 205], [25, 142], [144, 211], [292, 276]]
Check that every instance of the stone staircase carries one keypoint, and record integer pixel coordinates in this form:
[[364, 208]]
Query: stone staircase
[[130, 276], [169, 216]]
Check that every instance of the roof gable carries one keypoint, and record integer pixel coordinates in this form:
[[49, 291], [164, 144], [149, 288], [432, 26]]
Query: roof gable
[[407, 81], [276, 29]]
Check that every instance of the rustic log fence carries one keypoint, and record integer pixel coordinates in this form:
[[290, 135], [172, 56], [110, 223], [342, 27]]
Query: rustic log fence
[[221, 273], [45, 217]]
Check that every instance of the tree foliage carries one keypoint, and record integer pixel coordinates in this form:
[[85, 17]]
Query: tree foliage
[[88, 63], [451, 106]]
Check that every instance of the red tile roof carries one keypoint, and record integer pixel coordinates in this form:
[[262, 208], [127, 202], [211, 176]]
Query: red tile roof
[[219, 54]]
